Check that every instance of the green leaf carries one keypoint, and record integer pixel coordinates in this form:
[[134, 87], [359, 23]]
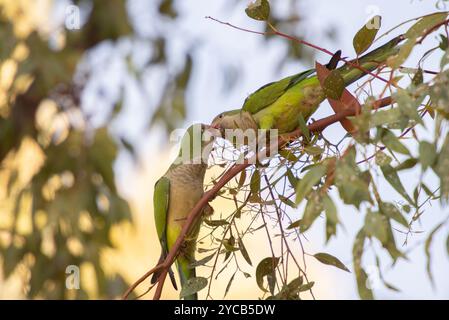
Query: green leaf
[[352, 184], [361, 276], [292, 179], [306, 287], [427, 251], [242, 179], [392, 142], [330, 260], [255, 182], [228, 286], [258, 10], [313, 150], [418, 29], [288, 155], [447, 245], [393, 179], [382, 159], [334, 84], [385, 117], [366, 35], [287, 201], [427, 154], [229, 244], [312, 211], [295, 224], [303, 126], [444, 44], [425, 23], [407, 164], [265, 267], [215, 223], [311, 178], [418, 78], [376, 226], [331, 217], [192, 286], [202, 261], [391, 211], [244, 251], [441, 168]]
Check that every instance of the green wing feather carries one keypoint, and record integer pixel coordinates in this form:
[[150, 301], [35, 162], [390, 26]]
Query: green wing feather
[[161, 200], [269, 93]]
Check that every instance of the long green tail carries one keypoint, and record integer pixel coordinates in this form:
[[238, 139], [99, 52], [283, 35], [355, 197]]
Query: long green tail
[[186, 273], [370, 61]]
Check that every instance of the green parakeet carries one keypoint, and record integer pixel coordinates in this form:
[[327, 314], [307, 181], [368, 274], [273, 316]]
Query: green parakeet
[[278, 105], [175, 195]]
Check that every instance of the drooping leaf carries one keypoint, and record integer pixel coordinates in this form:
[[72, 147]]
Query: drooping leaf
[[427, 154], [375, 226], [287, 201], [393, 179], [228, 286], [427, 250], [192, 286], [441, 168], [258, 10], [265, 267], [243, 251], [313, 150], [392, 142], [303, 126], [330, 260], [447, 245], [306, 287], [361, 276], [202, 261], [407, 164], [292, 179], [311, 178], [366, 35], [215, 223], [242, 179], [312, 211], [295, 224], [255, 183], [418, 78], [331, 217], [352, 184], [418, 29], [391, 211]]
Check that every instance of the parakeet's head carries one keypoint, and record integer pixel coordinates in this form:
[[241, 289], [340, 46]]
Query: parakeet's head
[[227, 119], [234, 119], [196, 143]]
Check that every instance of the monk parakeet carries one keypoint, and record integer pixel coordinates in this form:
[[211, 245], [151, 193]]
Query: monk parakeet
[[278, 105], [175, 195]]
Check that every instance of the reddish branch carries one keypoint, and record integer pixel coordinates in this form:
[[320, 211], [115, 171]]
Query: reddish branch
[[306, 43], [316, 126]]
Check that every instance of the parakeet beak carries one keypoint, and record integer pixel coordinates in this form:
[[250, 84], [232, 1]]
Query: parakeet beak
[[217, 128]]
